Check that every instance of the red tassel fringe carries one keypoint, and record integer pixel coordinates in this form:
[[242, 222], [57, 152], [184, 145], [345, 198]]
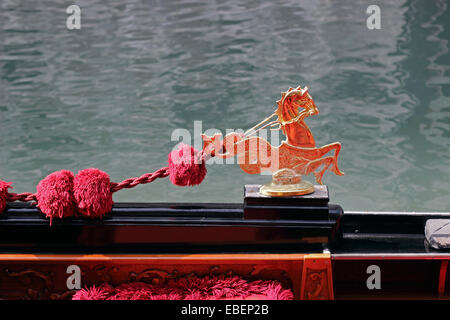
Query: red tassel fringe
[[92, 192], [193, 288], [185, 168], [55, 195], [4, 186]]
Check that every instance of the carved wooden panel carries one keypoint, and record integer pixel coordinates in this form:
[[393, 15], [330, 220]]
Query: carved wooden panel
[[44, 276], [317, 280]]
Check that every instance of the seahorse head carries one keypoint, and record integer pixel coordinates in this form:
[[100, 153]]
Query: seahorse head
[[292, 101]]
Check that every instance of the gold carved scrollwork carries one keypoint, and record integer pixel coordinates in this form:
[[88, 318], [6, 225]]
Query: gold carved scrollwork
[[317, 283]]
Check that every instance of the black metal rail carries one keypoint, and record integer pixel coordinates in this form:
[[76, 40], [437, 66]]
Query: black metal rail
[[209, 227], [163, 228]]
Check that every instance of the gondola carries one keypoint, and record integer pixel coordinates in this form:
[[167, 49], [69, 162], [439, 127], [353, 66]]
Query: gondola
[[319, 252], [285, 240]]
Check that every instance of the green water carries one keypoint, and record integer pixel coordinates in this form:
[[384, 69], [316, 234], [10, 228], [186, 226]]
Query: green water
[[111, 94]]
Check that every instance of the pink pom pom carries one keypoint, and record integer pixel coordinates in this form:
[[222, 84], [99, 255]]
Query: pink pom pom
[[183, 169], [55, 195], [4, 186], [92, 191]]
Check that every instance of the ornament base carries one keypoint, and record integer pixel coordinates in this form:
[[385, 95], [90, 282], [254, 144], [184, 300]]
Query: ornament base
[[286, 183]]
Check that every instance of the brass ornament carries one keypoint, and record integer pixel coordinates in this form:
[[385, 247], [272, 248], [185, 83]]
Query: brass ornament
[[295, 157], [285, 182]]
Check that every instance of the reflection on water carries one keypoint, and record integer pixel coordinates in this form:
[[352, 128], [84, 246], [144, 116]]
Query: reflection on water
[[110, 94]]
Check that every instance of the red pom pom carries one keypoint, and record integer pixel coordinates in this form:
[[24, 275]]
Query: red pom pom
[[55, 195], [92, 191], [183, 169], [4, 186]]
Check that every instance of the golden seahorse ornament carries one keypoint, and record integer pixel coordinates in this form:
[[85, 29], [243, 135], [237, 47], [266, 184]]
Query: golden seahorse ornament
[[295, 157]]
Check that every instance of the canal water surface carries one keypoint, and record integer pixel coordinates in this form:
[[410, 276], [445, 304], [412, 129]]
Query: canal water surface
[[111, 94]]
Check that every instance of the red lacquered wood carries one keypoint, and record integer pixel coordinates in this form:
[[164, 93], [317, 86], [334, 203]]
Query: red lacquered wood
[[43, 276], [442, 277]]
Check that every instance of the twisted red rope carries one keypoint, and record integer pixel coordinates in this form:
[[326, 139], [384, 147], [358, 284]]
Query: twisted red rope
[[25, 197], [125, 184], [161, 173], [145, 178]]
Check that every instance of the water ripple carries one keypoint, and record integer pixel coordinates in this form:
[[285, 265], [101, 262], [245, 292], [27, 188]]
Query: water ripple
[[110, 94]]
